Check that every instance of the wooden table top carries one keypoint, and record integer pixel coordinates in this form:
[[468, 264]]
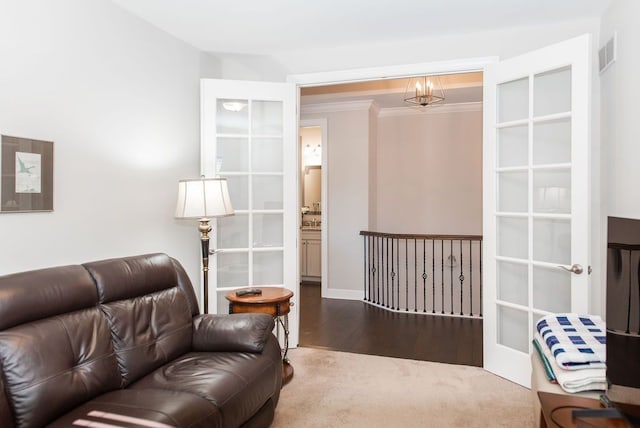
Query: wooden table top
[[269, 295]]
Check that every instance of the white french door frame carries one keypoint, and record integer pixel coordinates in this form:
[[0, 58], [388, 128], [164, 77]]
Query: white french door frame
[[363, 75], [499, 358], [252, 91]]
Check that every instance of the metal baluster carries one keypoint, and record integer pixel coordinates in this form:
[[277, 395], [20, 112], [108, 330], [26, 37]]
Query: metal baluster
[[461, 278], [398, 273], [451, 274], [480, 278], [406, 274], [433, 276], [365, 269], [379, 267], [371, 267], [415, 275], [424, 274], [393, 274], [470, 277], [442, 274], [387, 284]]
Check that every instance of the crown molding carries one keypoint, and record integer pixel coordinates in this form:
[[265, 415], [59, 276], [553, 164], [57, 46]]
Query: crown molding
[[441, 109], [338, 106]]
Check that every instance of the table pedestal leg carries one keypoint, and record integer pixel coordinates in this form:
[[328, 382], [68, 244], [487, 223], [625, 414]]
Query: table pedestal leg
[[287, 368]]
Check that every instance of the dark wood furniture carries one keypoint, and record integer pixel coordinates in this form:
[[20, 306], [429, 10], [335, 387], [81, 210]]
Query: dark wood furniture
[[557, 412], [275, 301]]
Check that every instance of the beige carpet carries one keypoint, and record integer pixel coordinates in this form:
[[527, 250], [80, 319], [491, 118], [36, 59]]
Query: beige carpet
[[339, 389]]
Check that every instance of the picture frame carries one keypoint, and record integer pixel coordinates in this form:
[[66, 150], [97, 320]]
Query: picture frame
[[26, 175]]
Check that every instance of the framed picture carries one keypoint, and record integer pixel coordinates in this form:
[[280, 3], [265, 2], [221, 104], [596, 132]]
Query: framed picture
[[26, 175]]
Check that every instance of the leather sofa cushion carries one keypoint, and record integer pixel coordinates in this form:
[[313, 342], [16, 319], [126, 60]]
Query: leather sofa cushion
[[126, 407], [53, 365], [34, 295], [239, 384], [236, 332], [129, 277], [149, 331]]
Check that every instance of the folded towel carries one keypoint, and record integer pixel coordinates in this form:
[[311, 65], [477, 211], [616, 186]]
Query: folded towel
[[576, 341], [573, 381], [545, 363]]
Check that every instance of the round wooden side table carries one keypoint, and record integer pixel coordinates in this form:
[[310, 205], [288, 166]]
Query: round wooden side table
[[275, 301]]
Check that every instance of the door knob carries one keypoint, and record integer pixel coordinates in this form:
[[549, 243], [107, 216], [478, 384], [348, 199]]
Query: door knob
[[577, 269]]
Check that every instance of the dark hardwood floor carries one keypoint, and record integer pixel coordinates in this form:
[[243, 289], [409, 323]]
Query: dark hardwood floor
[[355, 326]]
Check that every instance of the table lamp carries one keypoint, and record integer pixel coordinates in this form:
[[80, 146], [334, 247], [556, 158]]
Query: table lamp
[[203, 198]]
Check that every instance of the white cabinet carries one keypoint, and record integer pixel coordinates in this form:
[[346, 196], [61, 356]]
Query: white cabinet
[[310, 255]]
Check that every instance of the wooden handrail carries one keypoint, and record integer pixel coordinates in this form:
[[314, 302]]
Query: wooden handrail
[[416, 236]]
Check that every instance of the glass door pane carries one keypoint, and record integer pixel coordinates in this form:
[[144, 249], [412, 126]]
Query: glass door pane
[[513, 192], [552, 191], [513, 146], [232, 117], [513, 100], [551, 289], [552, 92], [513, 326], [552, 141], [552, 240], [513, 237], [513, 282]]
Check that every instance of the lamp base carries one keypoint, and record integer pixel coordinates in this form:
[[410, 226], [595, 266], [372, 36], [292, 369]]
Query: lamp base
[[204, 229]]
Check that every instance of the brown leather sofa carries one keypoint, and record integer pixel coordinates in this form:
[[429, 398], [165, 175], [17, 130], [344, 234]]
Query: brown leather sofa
[[121, 342]]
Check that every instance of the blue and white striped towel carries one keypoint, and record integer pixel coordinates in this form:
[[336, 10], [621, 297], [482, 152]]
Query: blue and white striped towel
[[576, 341]]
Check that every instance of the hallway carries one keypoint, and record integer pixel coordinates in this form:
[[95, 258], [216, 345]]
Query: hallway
[[355, 326]]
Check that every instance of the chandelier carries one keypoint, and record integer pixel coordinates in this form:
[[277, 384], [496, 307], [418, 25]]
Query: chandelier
[[424, 91]]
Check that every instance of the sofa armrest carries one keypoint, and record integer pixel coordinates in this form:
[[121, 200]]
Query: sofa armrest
[[232, 333]]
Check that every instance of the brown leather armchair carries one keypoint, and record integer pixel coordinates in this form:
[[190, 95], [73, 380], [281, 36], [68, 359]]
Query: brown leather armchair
[[121, 342]]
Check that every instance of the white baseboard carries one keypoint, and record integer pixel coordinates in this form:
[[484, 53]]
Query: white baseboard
[[336, 293]]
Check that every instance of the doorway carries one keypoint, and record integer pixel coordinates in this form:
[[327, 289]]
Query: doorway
[[349, 106], [312, 197]]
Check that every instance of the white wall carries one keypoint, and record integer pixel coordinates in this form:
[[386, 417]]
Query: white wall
[[348, 196], [429, 173], [620, 128], [120, 101], [373, 167], [620, 87]]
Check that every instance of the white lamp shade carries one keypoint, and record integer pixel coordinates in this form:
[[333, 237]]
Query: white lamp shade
[[203, 198]]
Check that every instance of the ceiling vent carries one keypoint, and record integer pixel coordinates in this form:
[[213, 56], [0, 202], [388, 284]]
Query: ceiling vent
[[607, 54]]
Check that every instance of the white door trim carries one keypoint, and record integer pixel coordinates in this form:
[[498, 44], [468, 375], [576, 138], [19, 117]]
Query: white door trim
[[324, 255], [391, 72]]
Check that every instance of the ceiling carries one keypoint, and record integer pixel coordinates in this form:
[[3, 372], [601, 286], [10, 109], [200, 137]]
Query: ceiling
[[262, 27], [259, 27]]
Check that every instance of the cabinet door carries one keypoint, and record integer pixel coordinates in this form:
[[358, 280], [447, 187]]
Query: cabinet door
[[314, 265]]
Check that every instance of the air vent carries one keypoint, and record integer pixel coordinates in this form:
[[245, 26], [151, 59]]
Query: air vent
[[607, 54]]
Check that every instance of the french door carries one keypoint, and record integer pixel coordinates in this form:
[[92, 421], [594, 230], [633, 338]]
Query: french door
[[249, 135], [536, 197]]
